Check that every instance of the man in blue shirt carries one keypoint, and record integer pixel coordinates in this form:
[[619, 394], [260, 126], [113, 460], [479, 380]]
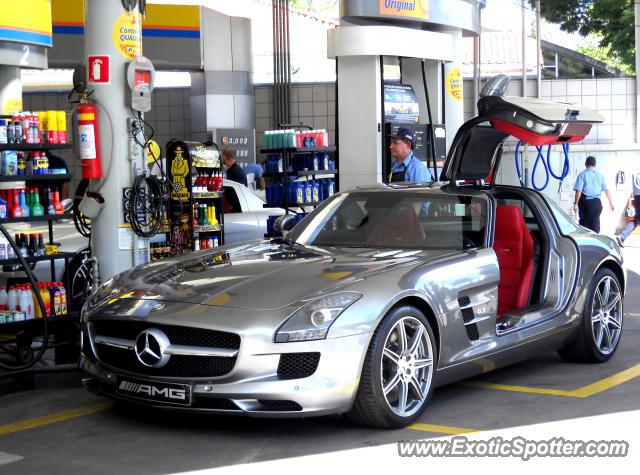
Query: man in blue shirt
[[406, 167], [257, 170], [589, 186]]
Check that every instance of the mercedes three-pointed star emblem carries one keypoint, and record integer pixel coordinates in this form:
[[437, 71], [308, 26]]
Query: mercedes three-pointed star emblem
[[151, 345]]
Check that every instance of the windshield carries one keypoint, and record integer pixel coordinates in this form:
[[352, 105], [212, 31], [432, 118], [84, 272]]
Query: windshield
[[395, 219]]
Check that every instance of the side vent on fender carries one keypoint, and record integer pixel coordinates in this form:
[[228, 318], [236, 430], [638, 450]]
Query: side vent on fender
[[468, 317]]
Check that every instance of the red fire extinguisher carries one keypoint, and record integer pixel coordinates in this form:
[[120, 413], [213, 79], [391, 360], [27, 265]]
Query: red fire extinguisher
[[89, 141]]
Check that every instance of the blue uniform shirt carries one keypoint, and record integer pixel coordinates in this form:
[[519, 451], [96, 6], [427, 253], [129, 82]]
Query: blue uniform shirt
[[591, 183], [255, 169], [415, 169]]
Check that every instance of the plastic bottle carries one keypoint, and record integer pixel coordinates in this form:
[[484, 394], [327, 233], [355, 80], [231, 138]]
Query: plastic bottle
[[12, 298], [315, 190], [22, 203], [43, 163], [3, 209], [42, 116], [62, 126], [3, 131], [63, 298], [44, 293], [54, 297], [25, 301], [52, 127], [56, 203], [9, 163], [40, 251], [11, 132], [3, 297]]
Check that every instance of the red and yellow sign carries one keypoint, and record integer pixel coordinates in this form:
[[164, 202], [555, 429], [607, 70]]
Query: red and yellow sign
[[454, 84], [418, 9]]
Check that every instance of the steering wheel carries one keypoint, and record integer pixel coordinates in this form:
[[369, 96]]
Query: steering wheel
[[468, 243]]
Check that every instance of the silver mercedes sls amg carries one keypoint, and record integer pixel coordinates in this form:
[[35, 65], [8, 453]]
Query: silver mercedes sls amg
[[374, 299]]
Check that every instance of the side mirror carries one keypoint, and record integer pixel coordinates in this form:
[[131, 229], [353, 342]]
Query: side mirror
[[496, 86], [284, 224]]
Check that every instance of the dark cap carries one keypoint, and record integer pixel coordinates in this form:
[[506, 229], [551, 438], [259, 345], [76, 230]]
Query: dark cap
[[403, 133]]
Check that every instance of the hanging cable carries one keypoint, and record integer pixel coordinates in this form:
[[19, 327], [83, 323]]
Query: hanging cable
[[546, 164], [432, 135], [148, 191]]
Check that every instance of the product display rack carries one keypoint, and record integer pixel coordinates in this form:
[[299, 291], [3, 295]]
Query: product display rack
[[287, 153], [63, 327], [185, 161]]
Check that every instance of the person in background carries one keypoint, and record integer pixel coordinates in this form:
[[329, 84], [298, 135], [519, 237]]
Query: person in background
[[635, 193], [406, 166], [234, 171], [257, 170], [589, 186]]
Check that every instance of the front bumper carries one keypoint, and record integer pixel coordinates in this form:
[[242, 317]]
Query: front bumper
[[253, 387]]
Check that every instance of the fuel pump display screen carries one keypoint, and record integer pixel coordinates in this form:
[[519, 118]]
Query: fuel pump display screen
[[400, 104], [141, 78]]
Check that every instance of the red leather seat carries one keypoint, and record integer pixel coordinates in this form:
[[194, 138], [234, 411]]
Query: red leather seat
[[400, 226], [513, 245]]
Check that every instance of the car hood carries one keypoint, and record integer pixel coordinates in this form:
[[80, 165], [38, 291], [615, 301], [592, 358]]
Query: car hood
[[262, 276]]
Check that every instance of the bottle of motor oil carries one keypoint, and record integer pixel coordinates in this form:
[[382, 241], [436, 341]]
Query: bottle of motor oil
[[3, 131]]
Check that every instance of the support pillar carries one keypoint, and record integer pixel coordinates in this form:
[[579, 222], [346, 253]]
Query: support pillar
[[100, 19], [453, 89], [10, 89]]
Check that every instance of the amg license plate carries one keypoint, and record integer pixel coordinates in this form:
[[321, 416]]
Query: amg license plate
[[168, 393]]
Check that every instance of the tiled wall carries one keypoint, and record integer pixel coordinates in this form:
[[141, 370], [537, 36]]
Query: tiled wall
[[614, 99], [170, 117], [311, 104]]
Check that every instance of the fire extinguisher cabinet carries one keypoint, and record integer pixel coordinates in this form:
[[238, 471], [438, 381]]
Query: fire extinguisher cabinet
[[195, 212]]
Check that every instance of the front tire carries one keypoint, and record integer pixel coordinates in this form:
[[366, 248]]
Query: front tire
[[397, 374], [600, 330]]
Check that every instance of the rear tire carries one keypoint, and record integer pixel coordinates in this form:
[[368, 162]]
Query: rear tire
[[397, 374], [600, 330]]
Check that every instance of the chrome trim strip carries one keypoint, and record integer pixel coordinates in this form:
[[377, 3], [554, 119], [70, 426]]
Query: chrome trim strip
[[121, 343], [475, 304], [200, 351], [124, 344], [477, 320]]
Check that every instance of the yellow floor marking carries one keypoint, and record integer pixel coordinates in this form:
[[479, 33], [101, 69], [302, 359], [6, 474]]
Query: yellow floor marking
[[585, 391], [629, 314], [441, 429], [52, 418]]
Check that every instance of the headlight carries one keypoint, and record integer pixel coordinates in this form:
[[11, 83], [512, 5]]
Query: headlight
[[312, 321]]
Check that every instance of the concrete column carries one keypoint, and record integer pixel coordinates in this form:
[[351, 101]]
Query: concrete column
[[453, 99], [223, 96], [359, 121], [10, 89], [100, 18]]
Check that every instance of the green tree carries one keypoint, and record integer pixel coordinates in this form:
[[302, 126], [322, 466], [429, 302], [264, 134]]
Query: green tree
[[610, 20]]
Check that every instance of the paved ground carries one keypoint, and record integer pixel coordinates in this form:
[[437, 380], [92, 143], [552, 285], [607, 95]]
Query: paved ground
[[60, 428]]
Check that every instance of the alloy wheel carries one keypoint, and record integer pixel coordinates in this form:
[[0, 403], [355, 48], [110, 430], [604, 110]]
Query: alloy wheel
[[606, 314], [406, 366]]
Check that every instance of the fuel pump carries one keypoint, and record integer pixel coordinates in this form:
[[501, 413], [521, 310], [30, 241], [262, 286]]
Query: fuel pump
[[402, 108]]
